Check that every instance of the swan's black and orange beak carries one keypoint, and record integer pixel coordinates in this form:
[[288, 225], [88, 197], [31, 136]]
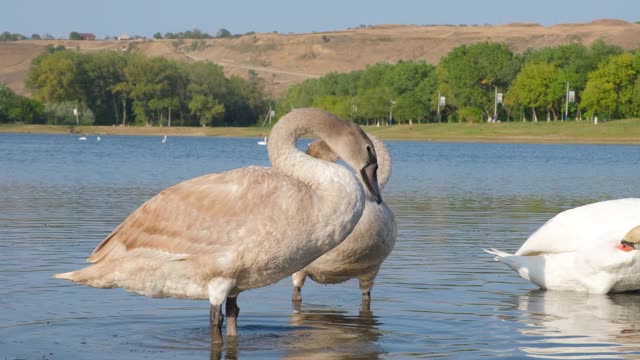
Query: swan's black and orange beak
[[631, 240], [369, 175], [626, 246]]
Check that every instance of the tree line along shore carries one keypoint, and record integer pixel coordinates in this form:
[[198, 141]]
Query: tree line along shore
[[479, 83]]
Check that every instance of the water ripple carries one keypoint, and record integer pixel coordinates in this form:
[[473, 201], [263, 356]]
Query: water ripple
[[437, 295]]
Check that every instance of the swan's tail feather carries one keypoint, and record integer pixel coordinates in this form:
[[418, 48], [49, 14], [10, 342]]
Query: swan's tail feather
[[498, 253], [91, 275], [64, 276]]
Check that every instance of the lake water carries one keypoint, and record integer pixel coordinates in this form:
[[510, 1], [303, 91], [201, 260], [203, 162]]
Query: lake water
[[437, 295]]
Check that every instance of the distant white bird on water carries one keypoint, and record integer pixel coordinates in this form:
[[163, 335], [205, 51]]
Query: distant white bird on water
[[82, 138], [593, 248], [217, 235], [98, 138], [164, 139], [263, 142]]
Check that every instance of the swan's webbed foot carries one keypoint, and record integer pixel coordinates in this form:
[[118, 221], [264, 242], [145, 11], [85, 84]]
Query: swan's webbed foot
[[232, 311], [215, 321]]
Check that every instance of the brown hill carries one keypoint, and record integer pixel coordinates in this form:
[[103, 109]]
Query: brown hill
[[283, 59]]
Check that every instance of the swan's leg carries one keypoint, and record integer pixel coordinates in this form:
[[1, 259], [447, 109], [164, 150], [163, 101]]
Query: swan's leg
[[232, 311], [366, 301], [298, 281], [215, 321], [366, 284], [218, 288]]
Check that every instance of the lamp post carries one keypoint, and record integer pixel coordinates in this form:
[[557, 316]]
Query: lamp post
[[75, 113], [438, 107], [495, 103], [497, 99], [391, 112], [566, 104]]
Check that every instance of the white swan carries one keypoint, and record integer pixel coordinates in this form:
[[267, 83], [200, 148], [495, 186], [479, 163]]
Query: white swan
[[217, 235], [362, 253], [164, 139], [263, 141], [591, 248]]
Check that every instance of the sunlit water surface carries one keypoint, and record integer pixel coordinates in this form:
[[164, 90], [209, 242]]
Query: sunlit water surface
[[437, 295]]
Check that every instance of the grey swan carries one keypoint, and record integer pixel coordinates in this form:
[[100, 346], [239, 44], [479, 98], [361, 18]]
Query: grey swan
[[363, 252]]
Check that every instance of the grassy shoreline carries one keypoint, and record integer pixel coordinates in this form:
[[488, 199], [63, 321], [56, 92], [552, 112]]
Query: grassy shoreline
[[583, 132]]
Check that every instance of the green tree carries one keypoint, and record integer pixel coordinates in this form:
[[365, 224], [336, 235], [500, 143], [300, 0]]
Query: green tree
[[28, 111], [74, 35], [15, 108], [375, 104], [223, 33], [130, 88], [245, 100], [7, 36], [7, 102], [157, 35], [538, 85], [468, 74], [339, 105], [411, 85], [601, 52], [575, 62], [205, 109], [57, 77], [610, 91], [104, 72], [148, 79]]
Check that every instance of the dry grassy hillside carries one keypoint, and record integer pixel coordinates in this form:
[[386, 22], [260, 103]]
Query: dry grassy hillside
[[283, 59]]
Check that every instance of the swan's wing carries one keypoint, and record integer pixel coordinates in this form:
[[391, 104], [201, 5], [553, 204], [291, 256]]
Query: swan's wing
[[207, 213], [586, 226]]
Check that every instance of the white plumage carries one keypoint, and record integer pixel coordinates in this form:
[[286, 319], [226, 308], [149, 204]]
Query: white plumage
[[578, 249]]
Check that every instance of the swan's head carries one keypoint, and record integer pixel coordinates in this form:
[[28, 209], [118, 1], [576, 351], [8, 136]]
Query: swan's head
[[631, 241], [320, 150], [352, 145]]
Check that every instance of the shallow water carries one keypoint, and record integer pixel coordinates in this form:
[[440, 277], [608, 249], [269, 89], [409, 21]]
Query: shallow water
[[437, 295]]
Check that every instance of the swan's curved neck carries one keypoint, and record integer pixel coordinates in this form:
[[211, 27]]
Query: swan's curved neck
[[338, 197], [287, 158]]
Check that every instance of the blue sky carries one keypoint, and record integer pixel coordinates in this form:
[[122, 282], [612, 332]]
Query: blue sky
[[145, 17]]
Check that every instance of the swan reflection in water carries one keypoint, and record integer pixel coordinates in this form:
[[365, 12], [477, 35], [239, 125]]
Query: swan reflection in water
[[334, 334], [315, 332], [579, 325]]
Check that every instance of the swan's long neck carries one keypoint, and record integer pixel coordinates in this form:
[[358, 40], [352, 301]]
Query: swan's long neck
[[340, 192], [287, 158]]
